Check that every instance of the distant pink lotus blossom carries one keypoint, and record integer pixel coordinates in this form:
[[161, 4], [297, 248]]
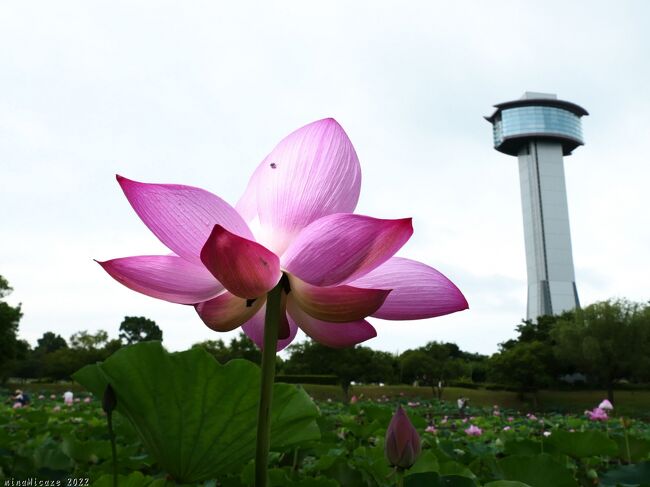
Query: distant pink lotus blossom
[[444, 420], [546, 433], [17, 405], [412, 404], [338, 267], [41, 396], [496, 412], [52, 396], [87, 400], [56, 409], [431, 429], [510, 419], [532, 417], [354, 400], [474, 431], [507, 428], [597, 414], [606, 405]]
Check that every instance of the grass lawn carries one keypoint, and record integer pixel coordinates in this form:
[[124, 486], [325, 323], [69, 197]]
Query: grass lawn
[[634, 403]]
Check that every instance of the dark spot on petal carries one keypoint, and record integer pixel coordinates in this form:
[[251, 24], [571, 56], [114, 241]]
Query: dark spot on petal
[[273, 165]]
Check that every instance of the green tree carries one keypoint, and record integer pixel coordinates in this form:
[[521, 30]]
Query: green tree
[[357, 364], [522, 366], [607, 340], [136, 329], [82, 340], [10, 347], [50, 342]]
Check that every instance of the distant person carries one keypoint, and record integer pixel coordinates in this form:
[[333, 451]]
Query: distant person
[[462, 404], [68, 398], [21, 397]]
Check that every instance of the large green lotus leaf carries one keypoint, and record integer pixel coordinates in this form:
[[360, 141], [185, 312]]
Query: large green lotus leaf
[[536, 471], [582, 444], [505, 483], [432, 479], [638, 475], [639, 448], [196, 417]]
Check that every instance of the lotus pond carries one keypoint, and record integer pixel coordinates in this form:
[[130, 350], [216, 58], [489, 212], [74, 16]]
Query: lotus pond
[[49, 442]]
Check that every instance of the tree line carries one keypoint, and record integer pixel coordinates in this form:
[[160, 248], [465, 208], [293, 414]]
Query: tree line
[[602, 345]]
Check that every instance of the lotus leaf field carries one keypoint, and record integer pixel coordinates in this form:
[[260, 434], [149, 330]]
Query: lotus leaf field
[[49, 441]]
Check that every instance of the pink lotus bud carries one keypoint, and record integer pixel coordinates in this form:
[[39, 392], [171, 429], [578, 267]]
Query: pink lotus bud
[[606, 405], [354, 400], [474, 431], [402, 441]]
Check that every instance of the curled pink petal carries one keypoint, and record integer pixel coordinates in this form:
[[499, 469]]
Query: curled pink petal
[[335, 335], [418, 291], [226, 312], [336, 304], [340, 248], [182, 217], [311, 173], [244, 267], [167, 277], [254, 329]]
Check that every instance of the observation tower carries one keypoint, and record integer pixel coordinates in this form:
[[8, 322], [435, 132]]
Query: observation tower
[[540, 129]]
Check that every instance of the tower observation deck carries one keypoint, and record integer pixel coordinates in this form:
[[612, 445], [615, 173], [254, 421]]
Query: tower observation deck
[[540, 129]]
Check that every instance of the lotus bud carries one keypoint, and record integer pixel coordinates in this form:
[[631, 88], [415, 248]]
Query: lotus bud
[[109, 401], [402, 441]]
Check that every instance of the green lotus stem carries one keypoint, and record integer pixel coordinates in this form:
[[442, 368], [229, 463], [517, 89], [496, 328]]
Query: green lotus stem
[[271, 326], [400, 477], [627, 447], [109, 418]]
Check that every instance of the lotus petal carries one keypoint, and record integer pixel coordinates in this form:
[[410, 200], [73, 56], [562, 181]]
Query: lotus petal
[[182, 217], [418, 291], [167, 277], [339, 248], [226, 312], [244, 267], [336, 304], [311, 173], [254, 329], [335, 335]]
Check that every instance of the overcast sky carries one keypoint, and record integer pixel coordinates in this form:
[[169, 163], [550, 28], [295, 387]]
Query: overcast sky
[[199, 92]]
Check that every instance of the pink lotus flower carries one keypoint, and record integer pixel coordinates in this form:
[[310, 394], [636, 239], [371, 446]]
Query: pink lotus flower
[[510, 419], [546, 433], [17, 405], [402, 441], [431, 429], [354, 400], [606, 405], [56, 409], [41, 396], [87, 400], [52, 396], [339, 266], [413, 404], [507, 428], [474, 431], [597, 414]]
